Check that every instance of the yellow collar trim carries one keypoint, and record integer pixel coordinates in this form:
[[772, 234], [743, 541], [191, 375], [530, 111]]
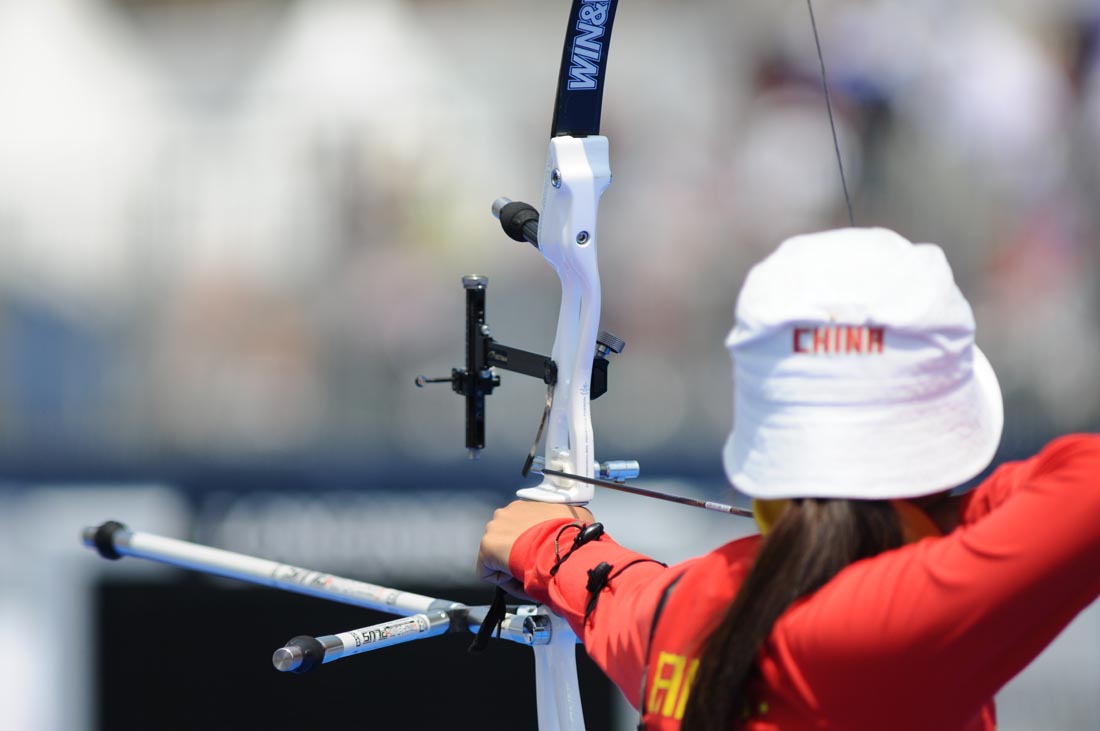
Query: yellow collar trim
[[915, 523]]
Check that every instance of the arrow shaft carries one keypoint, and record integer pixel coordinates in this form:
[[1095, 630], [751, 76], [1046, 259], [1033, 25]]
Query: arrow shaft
[[704, 504]]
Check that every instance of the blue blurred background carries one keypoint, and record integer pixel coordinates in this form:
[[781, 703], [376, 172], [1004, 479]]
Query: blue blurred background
[[232, 232]]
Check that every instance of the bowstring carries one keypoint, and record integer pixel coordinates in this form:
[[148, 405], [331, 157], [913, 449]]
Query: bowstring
[[829, 109]]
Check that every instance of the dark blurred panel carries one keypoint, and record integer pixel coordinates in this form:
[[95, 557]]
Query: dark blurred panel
[[196, 655]]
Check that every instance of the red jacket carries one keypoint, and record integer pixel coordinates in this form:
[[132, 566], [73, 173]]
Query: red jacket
[[918, 638]]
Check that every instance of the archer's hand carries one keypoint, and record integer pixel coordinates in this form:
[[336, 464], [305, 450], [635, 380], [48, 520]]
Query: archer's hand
[[507, 525]]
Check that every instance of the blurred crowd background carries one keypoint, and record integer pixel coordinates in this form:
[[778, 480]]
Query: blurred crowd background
[[235, 229], [232, 232]]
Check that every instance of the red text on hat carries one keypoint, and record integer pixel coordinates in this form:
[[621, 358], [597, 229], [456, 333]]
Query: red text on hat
[[839, 339]]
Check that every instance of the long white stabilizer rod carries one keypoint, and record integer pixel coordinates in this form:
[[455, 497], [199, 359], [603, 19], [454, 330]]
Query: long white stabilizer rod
[[114, 540]]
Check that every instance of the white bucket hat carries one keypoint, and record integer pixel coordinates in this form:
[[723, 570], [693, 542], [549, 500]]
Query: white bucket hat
[[856, 374]]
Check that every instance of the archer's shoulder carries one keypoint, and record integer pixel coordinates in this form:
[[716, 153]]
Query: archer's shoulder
[[1072, 445], [733, 558], [1063, 451], [706, 584], [1074, 458], [740, 549], [1060, 469]]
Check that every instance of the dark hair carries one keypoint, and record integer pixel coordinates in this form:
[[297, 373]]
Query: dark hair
[[810, 543]]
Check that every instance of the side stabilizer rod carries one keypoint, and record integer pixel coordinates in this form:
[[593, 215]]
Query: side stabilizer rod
[[526, 625]]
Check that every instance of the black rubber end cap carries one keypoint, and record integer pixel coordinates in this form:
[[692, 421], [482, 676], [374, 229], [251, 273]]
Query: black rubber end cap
[[105, 539], [313, 653], [514, 215]]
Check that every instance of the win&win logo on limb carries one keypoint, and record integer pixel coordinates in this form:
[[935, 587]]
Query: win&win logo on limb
[[584, 60]]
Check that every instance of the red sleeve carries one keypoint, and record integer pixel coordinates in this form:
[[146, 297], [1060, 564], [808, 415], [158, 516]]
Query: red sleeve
[[1008, 479], [616, 634], [954, 618]]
